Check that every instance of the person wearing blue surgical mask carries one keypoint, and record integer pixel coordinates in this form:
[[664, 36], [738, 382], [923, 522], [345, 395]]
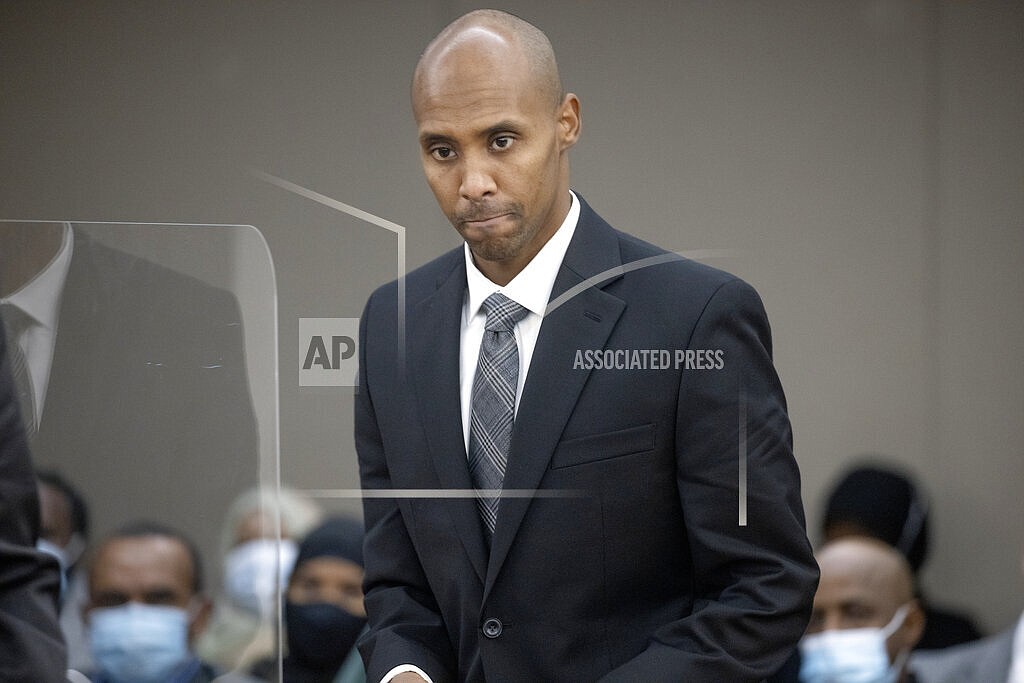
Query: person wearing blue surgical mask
[[145, 607], [865, 619]]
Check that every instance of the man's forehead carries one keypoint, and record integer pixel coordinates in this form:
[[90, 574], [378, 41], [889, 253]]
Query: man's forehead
[[134, 563], [466, 45], [860, 583], [469, 63], [846, 588]]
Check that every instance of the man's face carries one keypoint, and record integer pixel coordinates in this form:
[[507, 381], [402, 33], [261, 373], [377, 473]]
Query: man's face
[[853, 593], [152, 570], [328, 580], [492, 145], [846, 602], [54, 516]]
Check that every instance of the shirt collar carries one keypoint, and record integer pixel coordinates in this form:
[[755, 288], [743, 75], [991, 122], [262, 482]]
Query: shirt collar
[[39, 298], [531, 288]]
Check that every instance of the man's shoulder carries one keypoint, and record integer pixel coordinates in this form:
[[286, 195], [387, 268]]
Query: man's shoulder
[[421, 281], [671, 277], [964, 662], [640, 256]]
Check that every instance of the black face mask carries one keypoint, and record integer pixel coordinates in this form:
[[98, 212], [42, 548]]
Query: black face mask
[[320, 635]]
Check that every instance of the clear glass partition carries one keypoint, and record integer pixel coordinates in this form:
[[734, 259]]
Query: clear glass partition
[[153, 384]]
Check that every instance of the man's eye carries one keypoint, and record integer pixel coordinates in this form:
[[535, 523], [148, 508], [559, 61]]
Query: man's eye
[[442, 153], [503, 142]]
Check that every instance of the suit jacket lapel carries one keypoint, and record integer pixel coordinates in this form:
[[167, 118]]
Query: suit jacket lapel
[[552, 386], [433, 332]]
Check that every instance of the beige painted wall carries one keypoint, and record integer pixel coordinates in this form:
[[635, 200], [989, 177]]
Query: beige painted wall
[[862, 160]]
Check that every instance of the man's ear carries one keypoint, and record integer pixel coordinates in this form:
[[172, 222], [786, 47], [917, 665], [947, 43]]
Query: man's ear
[[199, 616], [569, 122], [910, 632]]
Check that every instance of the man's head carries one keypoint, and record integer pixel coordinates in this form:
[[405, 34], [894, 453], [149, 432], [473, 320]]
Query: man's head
[[494, 131], [882, 502], [145, 602], [324, 611], [864, 610], [63, 516]]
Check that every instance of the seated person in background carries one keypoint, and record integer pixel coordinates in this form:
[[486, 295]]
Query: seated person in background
[[145, 607], [323, 611], [64, 533], [878, 501], [865, 619], [242, 629], [996, 659]]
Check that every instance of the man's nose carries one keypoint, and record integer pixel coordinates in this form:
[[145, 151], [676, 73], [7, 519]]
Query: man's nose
[[477, 180], [833, 622]]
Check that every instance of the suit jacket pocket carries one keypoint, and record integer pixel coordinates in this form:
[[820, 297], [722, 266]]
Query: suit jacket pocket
[[597, 447]]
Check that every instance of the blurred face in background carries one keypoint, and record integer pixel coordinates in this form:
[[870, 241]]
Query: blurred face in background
[[143, 610], [329, 580], [324, 611]]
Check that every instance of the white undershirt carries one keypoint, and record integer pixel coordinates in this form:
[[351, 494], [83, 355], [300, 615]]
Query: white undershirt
[[531, 288], [39, 299], [1017, 654]]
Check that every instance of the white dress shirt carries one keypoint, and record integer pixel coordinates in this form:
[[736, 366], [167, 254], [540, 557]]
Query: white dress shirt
[[1017, 654], [39, 299]]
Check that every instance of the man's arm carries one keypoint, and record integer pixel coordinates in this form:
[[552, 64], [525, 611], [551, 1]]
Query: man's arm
[[32, 647], [405, 624], [755, 575]]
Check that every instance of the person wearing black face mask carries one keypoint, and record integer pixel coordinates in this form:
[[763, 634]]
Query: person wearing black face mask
[[323, 610]]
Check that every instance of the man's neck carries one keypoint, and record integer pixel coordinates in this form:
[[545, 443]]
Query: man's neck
[[25, 250]]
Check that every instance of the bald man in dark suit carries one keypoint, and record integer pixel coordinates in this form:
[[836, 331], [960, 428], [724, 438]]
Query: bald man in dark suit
[[554, 460]]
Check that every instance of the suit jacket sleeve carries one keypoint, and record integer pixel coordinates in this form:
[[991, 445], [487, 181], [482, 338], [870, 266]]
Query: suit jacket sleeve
[[32, 648], [753, 581], [405, 622]]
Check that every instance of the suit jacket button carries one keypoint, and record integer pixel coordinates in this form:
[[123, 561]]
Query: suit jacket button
[[492, 628]]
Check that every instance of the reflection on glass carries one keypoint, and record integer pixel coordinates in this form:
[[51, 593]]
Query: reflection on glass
[[137, 383]]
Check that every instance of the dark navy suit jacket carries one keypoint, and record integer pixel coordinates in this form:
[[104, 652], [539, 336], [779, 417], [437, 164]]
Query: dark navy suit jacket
[[31, 646], [629, 563]]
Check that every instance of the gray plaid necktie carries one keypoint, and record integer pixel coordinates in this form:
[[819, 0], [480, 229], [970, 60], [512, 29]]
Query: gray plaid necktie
[[15, 321], [494, 400]]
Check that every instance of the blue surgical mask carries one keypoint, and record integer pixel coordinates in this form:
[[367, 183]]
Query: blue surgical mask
[[256, 572], [857, 655], [136, 643]]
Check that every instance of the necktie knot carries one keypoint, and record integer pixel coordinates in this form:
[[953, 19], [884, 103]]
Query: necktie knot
[[502, 313]]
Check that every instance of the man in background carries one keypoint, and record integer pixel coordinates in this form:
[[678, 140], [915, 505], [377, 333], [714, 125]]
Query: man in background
[[877, 499], [998, 658], [865, 619], [64, 533], [146, 607]]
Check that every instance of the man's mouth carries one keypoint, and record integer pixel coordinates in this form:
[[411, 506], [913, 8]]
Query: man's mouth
[[485, 221]]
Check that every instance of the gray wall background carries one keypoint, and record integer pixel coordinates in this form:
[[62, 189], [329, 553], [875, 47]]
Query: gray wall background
[[862, 160]]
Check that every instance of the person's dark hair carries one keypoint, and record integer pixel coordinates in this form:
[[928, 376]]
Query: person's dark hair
[[79, 510], [143, 528], [340, 537], [885, 503]]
